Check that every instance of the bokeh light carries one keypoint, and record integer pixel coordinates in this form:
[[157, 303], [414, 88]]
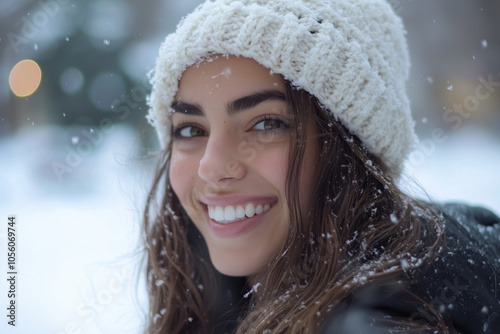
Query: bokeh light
[[25, 78], [107, 23], [106, 88], [71, 80]]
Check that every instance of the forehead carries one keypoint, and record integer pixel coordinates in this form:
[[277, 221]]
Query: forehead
[[230, 76]]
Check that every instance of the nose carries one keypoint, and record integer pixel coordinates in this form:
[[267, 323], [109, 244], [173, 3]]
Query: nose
[[221, 163]]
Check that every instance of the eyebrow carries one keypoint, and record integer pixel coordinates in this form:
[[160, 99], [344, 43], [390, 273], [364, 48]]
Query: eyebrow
[[186, 108], [241, 104]]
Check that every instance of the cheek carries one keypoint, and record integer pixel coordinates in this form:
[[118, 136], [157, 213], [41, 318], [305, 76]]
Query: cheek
[[277, 173], [272, 165], [182, 172]]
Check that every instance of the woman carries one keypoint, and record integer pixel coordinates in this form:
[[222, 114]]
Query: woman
[[274, 209]]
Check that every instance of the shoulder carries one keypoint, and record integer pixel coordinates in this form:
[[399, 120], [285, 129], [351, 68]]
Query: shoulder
[[472, 242], [462, 283], [476, 224]]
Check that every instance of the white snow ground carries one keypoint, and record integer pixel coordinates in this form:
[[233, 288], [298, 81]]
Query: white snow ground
[[77, 240], [465, 168]]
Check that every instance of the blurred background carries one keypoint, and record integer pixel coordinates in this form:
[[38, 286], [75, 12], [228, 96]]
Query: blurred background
[[76, 150]]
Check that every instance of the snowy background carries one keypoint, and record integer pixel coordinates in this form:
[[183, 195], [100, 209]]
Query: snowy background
[[78, 228]]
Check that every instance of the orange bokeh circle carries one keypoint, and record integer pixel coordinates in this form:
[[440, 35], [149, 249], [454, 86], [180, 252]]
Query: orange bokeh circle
[[25, 77]]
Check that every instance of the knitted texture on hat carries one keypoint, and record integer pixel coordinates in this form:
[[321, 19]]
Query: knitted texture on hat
[[350, 54]]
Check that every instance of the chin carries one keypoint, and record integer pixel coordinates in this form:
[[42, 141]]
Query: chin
[[236, 268]]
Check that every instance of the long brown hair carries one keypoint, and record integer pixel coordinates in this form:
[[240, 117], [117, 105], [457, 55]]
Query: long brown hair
[[360, 228]]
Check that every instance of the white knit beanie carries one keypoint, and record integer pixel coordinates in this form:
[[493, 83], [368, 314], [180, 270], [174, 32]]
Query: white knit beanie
[[350, 54]]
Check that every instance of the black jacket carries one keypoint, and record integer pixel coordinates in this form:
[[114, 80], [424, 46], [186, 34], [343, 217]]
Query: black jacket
[[463, 284]]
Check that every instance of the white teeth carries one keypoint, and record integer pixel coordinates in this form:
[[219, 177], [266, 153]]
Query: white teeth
[[229, 214], [219, 213], [240, 212], [250, 210]]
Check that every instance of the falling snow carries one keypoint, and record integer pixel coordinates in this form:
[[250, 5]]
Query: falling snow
[[225, 73], [440, 180], [254, 289]]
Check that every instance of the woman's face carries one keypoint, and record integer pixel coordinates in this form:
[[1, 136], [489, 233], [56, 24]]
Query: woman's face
[[231, 138]]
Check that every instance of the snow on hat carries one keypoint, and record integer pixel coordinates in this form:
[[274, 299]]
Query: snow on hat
[[350, 54]]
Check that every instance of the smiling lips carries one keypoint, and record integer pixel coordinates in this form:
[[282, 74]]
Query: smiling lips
[[230, 214]]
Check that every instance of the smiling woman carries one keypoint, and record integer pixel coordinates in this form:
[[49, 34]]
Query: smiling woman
[[285, 125], [236, 201]]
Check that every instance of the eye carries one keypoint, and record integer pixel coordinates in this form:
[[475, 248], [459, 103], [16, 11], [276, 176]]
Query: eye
[[270, 124], [185, 131], [191, 131]]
